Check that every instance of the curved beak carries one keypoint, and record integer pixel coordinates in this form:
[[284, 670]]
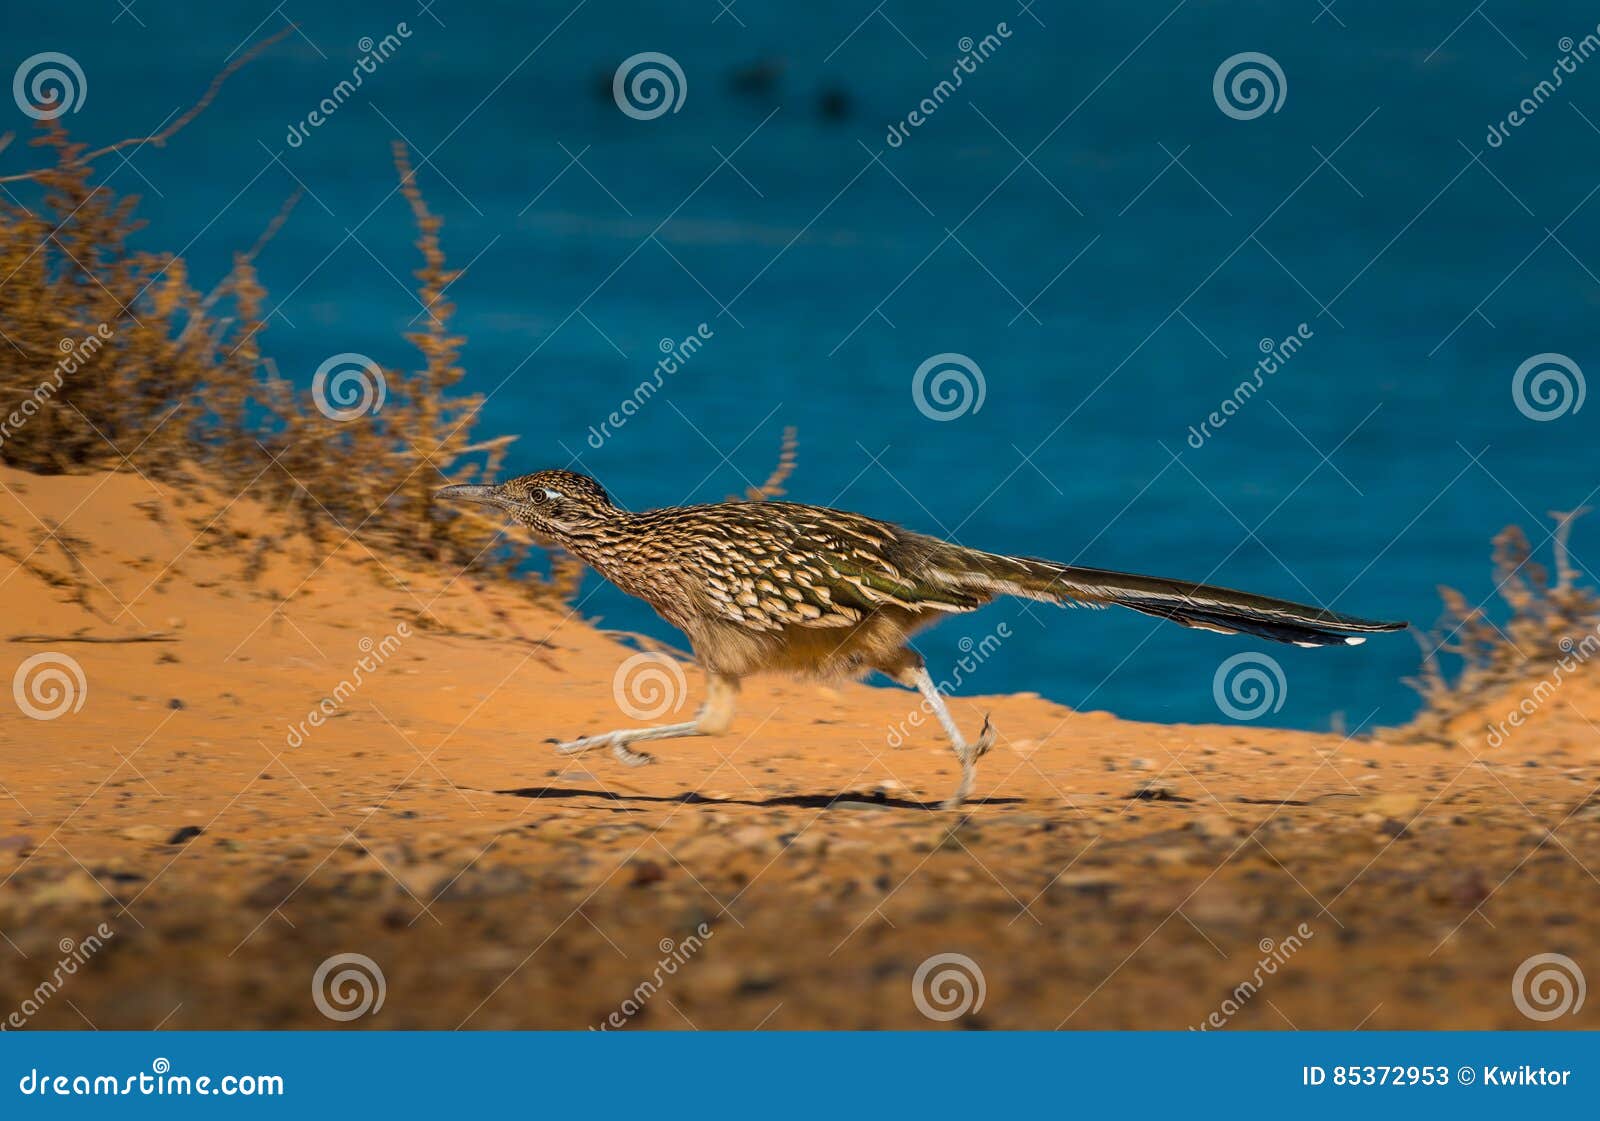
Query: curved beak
[[489, 496]]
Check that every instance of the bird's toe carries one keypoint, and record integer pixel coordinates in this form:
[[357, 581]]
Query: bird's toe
[[630, 757], [578, 746], [985, 739]]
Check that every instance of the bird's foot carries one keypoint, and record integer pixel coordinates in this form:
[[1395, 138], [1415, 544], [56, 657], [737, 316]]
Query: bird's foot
[[613, 740], [985, 739], [969, 755]]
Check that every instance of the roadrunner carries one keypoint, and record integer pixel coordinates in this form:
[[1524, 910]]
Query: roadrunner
[[777, 586]]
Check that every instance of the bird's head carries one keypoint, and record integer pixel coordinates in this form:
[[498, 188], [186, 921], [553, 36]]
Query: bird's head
[[556, 505]]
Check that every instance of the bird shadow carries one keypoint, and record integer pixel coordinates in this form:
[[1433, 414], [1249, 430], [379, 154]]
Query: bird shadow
[[797, 801]]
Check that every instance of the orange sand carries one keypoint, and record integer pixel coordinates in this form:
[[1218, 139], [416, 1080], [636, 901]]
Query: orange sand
[[1112, 874]]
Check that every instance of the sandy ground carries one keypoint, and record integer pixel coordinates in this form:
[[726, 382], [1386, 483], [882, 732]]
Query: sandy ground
[[794, 874]]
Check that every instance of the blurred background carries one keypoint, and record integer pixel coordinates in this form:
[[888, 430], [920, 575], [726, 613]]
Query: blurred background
[[1081, 219]]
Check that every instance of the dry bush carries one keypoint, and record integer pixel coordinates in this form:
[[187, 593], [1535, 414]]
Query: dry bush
[[111, 359], [1546, 620], [70, 282]]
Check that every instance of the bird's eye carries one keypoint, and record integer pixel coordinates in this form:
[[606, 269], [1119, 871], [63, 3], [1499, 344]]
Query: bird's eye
[[544, 495]]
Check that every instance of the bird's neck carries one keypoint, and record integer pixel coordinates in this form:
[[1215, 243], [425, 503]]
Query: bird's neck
[[603, 542]]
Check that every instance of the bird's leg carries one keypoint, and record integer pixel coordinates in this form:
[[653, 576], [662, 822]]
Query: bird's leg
[[714, 718], [969, 754]]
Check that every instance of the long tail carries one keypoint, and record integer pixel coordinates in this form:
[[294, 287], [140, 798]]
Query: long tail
[[1204, 606]]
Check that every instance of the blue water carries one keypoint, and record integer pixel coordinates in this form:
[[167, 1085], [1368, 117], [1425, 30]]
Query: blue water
[[1423, 278]]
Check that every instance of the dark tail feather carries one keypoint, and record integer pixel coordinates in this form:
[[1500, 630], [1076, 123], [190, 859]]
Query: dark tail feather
[[1204, 606], [1277, 629]]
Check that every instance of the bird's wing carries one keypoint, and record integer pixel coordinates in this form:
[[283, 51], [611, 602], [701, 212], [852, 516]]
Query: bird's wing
[[778, 565]]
